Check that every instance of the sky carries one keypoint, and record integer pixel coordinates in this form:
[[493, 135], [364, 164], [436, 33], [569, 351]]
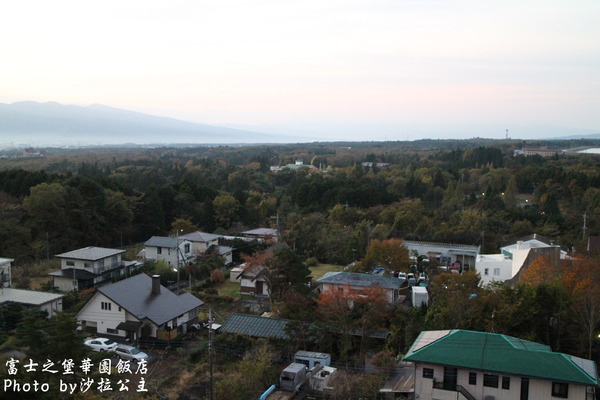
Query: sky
[[331, 69]]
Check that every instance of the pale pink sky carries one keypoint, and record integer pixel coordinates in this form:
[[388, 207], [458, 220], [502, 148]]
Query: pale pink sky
[[347, 69]]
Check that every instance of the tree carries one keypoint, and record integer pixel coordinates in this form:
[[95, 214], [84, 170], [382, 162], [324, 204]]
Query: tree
[[286, 272], [182, 226], [225, 208], [390, 254]]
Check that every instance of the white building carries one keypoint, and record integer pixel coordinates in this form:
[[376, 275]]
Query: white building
[[122, 309], [173, 251], [49, 302], [459, 364], [515, 258], [444, 254], [89, 266]]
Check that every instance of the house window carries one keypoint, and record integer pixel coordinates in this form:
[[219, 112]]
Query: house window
[[497, 271], [486, 271], [506, 382], [70, 263], [87, 265], [428, 373], [159, 250], [105, 305], [560, 390], [187, 248], [113, 331], [472, 378], [490, 380]]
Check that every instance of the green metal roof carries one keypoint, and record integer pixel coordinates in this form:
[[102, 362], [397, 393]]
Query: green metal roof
[[500, 353], [253, 325]]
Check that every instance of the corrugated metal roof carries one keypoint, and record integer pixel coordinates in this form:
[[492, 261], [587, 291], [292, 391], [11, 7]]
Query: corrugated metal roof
[[91, 253], [500, 353], [365, 280], [135, 295], [255, 326]]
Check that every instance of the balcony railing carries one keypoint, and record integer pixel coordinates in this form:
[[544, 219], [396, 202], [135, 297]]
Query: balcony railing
[[454, 388]]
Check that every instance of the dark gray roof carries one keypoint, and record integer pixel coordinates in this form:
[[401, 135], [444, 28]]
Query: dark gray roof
[[135, 295], [200, 237], [255, 326], [366, 280], [91, 253], [163, 241]]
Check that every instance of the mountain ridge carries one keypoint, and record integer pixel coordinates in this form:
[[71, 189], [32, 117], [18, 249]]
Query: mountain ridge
[[54, 122]]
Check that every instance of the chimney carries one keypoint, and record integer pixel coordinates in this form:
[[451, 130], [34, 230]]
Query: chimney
[[519, 244], [155, 284]]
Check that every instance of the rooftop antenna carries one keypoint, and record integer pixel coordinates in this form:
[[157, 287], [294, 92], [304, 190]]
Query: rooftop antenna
[[507, 134]]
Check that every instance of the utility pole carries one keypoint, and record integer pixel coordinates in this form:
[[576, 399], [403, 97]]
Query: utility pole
[[177, 250], [210, 352], [584, 223]]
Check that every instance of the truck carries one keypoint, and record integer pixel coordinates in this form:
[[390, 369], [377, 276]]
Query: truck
[[291, 380], [419, 296]]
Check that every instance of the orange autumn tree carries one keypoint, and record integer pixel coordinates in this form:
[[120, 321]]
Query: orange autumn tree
[[390, 254], [580, 277]]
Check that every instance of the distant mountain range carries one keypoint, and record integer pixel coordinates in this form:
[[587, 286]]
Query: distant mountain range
[[53, 124]]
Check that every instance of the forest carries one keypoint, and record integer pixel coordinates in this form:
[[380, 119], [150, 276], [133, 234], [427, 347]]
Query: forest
[[350, 204], [469, 192]]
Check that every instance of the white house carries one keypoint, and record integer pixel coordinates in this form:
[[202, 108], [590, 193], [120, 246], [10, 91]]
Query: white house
[[89, 266], [253, 281], [515, 258], [459, 364], [44, 301], [201, 241], [173, 251], [139, 304], [6, 272]]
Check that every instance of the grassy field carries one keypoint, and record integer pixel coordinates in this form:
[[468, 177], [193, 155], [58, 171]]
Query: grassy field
[[228, 289], [321, 269]]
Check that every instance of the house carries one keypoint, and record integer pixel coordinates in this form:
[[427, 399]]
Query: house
[[514, 258], [87, 267], [6, 272], [354, 283], [173, 251], [226, 252], [460, 364], [444, 254], [138, 306], [44, 301], [201, 241], [253, 281]]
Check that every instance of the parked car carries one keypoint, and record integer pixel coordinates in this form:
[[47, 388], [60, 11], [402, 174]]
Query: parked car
[[130, 353], [412, 281], [402, 276], [101, 344]]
